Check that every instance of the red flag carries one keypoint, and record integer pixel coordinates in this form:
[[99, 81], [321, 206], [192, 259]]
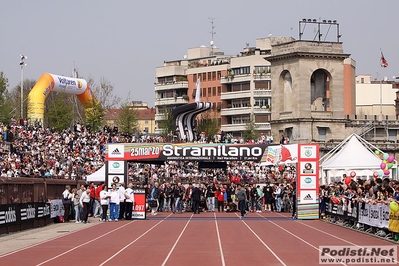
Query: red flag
[[384, 62]]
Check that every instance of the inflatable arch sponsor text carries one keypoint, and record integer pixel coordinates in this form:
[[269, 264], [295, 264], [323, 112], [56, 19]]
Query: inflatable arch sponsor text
[[50, 82]]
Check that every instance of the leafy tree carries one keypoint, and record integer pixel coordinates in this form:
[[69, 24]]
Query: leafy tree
[[95, 115], [209, 124], [250, 130], [5, 103], [59, 113], [127, 120], [167, 124]]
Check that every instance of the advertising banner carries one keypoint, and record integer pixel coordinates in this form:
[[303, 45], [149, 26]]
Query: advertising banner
[[56, 208], [308, 181], [185, 151], [374, 215], [11, 214], [139, 207]]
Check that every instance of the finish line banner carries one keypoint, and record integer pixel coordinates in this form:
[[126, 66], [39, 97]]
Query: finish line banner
[[185, 151]]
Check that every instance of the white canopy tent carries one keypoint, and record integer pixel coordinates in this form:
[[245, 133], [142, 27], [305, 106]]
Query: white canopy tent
[[352, 154], [97, 176]]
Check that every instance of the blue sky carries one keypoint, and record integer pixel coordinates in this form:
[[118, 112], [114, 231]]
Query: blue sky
[[124, 41]]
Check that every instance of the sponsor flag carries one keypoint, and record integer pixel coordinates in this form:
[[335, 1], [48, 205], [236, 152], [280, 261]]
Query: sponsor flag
[[271, 155], [384, 62], [198, 92]]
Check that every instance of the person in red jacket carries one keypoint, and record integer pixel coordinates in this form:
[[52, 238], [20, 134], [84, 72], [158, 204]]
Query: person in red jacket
[[219, 194], [92, 198]]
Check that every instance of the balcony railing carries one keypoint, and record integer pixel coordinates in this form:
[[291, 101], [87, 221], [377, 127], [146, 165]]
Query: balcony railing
[[243, 126], [261, 110], [171, 101], [171, 85], [235, 111], [235, 95], [263, 93]]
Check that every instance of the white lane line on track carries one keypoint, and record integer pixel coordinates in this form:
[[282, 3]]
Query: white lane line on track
[[303, 240], [128, 245], [42, 242], [177, 241], [219, 241], [81, 245], [271, 251], [314, 228]]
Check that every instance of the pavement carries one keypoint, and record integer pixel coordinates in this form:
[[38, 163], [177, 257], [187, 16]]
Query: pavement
[[23, 239]]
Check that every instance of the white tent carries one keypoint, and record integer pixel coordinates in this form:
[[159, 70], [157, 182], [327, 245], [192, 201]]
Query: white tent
[[352, 154], [97, 176]]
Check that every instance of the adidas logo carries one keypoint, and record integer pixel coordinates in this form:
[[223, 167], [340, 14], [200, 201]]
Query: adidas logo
[[308, 197], [116, 151]]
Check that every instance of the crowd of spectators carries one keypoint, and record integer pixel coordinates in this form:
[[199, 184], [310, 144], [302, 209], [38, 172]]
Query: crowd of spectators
[[349, 192], [75, 153]]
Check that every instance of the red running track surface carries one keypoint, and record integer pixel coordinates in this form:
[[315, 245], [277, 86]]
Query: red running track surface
[[189, 240]]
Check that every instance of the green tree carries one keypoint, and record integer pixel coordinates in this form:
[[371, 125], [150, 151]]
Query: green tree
[[5, 100], [127, 120], [209, 124], [250, 130], [59, 113], [167, 125], [95, 115]]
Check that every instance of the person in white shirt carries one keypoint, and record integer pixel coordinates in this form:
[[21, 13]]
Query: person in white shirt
[[122, 200], [67, 202], [104, 200], [114, 204], [85, 202], [129, 201]]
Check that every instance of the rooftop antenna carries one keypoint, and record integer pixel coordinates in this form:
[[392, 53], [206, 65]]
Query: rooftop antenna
[[212, 33]]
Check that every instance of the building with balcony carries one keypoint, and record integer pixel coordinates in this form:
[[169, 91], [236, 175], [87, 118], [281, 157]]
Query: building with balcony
[[247, 93], [171, 87], [209, 65]]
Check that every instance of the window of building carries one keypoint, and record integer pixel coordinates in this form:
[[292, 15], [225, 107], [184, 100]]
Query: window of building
[[219, 90], [204, 76], [362, 80], [322, 133], [214, 75], [213, 91], [209, 75], [146, 121], [219, 75], [195, 77], [203, 92], [209, 91]]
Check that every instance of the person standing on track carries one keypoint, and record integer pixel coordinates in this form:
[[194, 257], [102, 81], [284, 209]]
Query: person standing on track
[[85, 202], [104, 200], [196, 197], [129, 201], [155, 193], [67, 201], [122, 201], [241, 197], [210, 197], [114, 204]]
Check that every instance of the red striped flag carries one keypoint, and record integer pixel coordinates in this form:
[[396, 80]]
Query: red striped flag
[[384, 63]]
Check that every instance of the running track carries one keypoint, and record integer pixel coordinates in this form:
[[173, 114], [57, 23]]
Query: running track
[[187, 239]]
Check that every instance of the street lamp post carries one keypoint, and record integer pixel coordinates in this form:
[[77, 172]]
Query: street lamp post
[[22, 64]]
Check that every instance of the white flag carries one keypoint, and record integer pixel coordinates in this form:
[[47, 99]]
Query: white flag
[[198, 92]]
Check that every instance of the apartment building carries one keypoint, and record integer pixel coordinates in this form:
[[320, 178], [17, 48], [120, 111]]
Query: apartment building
[[171, 87], [247, 94]]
